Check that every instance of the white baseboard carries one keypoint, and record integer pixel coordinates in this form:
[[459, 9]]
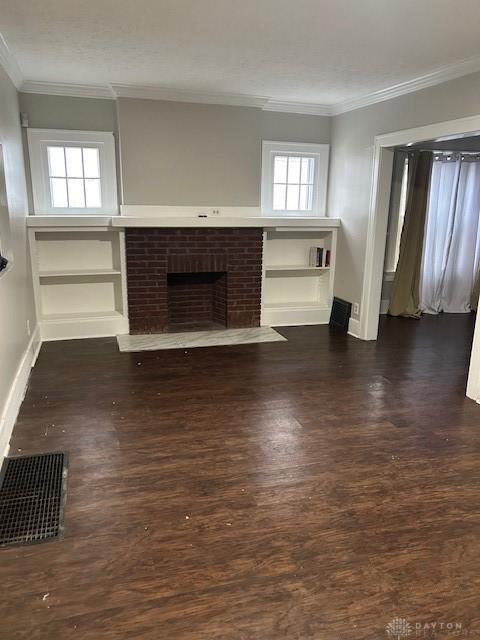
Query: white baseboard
[[354, 327], [17, 392], [73, 329], [295, 316], [384, 304]]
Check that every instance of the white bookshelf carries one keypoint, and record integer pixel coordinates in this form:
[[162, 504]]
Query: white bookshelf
[[79, 282], [294, 292]]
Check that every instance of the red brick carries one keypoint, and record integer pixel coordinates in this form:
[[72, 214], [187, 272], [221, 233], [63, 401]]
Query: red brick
[[236, 297]]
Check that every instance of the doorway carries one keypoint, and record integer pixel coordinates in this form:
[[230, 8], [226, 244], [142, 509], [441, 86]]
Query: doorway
[[446, 262], [384, 150]]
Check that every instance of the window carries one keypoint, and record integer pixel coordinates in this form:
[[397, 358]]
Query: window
[[294, 178], [73, 172], [74, 176]]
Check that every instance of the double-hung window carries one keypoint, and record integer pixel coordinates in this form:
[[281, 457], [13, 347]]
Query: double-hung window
[[73, 172], [294, 178]]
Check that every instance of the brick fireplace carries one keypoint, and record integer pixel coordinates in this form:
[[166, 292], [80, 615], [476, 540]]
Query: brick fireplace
[[189, 279]]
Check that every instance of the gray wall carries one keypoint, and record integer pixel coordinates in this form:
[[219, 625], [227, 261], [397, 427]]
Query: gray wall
[[351, 162], [16, 292], [175, 153], [65, 112]]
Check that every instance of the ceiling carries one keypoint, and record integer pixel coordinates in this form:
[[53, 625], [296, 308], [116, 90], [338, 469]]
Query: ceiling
[[323, 52]]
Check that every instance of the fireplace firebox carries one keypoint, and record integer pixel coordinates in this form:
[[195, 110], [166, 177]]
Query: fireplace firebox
[[197, 301]]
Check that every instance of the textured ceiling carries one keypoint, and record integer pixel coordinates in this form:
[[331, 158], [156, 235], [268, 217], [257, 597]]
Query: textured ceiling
[[320, 51]]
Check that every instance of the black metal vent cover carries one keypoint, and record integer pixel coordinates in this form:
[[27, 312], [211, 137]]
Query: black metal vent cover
[[32, 498], [340, 315]]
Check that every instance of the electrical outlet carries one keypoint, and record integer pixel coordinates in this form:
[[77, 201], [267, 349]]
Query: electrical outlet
[[215, 212], [356, 308]]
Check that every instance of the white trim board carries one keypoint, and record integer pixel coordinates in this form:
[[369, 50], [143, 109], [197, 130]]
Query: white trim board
[[17, 391], [354, 328], [152, 92], [473, 381], [66, 89], [78, 329]]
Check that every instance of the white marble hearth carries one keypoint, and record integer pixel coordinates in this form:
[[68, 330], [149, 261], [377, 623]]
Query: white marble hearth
[[191, 339]]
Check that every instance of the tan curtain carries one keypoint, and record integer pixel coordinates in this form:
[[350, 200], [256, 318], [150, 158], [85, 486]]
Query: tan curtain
[[405, 296]]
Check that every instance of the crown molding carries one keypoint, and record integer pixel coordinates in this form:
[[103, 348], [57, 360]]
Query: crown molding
[[306, 108], [153, 92], [8, 62], [440, 75], [64, 89]]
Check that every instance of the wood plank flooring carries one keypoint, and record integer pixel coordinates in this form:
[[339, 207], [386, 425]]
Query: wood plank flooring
[[311, 489]]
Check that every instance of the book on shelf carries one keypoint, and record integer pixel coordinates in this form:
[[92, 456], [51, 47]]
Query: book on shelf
[[319, 257]]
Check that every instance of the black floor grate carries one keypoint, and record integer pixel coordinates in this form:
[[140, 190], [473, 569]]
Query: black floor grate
[[340, 314], [32, 496]]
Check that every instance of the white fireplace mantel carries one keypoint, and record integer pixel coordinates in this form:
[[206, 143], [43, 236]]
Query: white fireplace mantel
[[183, 221], [225, 221]]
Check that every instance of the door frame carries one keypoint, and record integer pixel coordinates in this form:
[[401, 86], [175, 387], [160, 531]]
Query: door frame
[[378, 222]]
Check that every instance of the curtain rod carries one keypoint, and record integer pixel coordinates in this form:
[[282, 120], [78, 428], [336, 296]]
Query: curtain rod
[[438, 151]]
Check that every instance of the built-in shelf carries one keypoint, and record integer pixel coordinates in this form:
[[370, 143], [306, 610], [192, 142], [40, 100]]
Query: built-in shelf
[[79, 281], [78, 273], [294, 267], [294, 291]]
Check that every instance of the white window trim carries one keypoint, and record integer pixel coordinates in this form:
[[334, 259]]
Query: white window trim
[[40, 139], [321, 154]]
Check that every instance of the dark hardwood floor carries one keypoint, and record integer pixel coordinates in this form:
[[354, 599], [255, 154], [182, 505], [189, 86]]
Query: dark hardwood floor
[[313, 489]]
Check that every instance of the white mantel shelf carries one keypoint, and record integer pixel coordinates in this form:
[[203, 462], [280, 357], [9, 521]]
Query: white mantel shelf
[[227, 221], [183, 221]]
